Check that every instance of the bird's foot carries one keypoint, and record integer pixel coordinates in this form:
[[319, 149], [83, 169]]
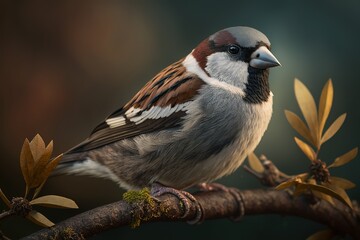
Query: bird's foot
[[205, 187], [185, 198]]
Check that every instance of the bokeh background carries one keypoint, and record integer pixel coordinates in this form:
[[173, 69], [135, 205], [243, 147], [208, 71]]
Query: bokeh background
[[65, 65]]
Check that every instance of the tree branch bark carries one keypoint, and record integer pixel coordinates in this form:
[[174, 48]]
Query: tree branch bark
[[219, 204]]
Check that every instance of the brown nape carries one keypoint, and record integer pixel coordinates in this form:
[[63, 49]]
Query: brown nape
[[215, 43], [202, 51], [223, 38]]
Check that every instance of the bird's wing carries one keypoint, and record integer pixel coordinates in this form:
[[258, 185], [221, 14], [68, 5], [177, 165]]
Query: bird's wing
[[159, 105]]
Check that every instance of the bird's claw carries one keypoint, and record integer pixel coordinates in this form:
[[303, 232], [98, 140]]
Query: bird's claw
[[185, 198]]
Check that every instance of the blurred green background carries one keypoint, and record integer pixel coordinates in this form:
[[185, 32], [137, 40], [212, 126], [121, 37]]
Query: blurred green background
[[65, 65]]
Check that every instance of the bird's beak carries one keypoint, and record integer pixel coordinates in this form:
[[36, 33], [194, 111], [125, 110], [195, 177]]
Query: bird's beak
[[262, 58]]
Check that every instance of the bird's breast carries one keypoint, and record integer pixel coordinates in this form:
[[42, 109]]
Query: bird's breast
[[245, 124]]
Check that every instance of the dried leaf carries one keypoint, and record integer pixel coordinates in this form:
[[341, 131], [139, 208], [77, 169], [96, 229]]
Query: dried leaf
[[26, 162], [308, 108], [286, 184], [255, 163], [4, 198], [37, 147], [335, 126], [48, 150], [339, 194], [323, 196], [39, 219], [299, 189], [341, 183], [322, 235], [312, 181], [54, 201], [303, 176], [345, 158], [50, 167], [299, 126], [320, 194], [40, 166], [325, 104], [307, 150]]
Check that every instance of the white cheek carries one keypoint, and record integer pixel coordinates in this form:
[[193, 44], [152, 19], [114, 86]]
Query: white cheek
[[192, 66], [220, 66]]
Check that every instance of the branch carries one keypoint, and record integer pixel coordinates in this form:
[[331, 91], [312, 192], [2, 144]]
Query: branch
[[215, 205]]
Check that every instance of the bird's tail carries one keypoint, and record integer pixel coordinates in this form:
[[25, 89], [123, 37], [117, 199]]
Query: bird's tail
[[69, 163], [81, 164]]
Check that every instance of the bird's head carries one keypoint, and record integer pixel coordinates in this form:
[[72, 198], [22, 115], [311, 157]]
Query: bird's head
[[239, 56]]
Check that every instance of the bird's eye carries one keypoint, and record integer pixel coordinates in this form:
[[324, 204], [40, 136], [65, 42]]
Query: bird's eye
[[233, 49]]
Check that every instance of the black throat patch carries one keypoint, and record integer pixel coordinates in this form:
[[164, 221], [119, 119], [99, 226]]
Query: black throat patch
[[257, 89]]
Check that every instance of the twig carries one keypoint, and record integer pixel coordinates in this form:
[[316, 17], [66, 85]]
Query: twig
[[271, 176], [6, 214], [215, 205], [3, 237]]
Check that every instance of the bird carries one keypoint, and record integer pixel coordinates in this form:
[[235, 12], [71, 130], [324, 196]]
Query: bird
[[191, 124]]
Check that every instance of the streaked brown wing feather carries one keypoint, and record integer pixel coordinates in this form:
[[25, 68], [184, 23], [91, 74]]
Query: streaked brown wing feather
[[170, 87]]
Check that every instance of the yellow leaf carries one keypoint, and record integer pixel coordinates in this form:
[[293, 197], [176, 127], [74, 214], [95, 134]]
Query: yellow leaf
[[39, 219], [49, 149], [303, 177], [50, 167], [334, 127], [54, 201], [26, 162], [307, 150], [324, 197], [286, 184], [341, 182], [308, 108], [37, 147], [299, 189], [40, 165], [339, 194], [325, 104], [322, 235], [345, 158], [5, 199], [255, 163], [312, 181], [299, 126]]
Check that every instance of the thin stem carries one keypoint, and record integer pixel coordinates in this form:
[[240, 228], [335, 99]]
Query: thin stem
[[256, 174], [37, 191], [317, 152], [3, 237], [6, 214], [4, 198], [26, 191]]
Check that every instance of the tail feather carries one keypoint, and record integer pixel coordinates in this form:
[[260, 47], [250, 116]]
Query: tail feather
[[80, 164], [67, 162]]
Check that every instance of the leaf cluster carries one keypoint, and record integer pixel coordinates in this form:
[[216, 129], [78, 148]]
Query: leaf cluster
[[318, 181], [36, 166]]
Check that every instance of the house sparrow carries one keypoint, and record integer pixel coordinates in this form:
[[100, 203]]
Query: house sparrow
[[193, 123]]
